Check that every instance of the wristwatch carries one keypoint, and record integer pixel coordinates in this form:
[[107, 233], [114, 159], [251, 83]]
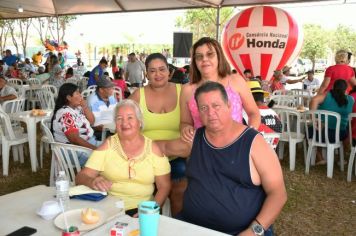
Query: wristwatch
[[257, 229]]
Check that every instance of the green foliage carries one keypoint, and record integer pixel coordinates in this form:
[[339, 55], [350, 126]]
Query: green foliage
[[315, 42], [343, 37], [202, 22]]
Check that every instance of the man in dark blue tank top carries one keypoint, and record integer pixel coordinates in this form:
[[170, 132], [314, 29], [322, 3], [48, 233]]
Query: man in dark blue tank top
[[235, 182]]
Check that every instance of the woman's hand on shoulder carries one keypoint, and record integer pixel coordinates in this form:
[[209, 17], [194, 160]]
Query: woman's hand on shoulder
[[187, 133]]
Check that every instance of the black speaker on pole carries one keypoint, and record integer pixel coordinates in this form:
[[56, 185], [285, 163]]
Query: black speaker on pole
[[182, 42]]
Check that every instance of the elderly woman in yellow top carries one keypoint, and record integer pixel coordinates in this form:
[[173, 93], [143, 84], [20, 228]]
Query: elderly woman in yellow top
[[128, 164]]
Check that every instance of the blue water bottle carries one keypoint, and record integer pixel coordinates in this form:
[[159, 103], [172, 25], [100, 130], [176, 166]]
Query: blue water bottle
[[148, 216]]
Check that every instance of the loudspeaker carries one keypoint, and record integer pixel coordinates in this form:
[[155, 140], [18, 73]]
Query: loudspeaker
[[182, 42]]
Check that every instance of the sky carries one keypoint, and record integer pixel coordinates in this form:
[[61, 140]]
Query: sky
[[157, 27]]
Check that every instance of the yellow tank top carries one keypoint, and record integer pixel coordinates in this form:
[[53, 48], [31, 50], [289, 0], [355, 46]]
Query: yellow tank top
[[163, 126]]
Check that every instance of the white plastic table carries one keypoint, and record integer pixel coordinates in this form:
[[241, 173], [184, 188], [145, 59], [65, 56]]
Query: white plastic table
[[18, 209], [31, 121]]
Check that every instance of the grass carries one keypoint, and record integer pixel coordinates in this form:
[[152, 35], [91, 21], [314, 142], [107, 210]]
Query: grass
[[316, 205]]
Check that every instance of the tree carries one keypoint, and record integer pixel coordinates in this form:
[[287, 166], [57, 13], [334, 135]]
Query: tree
[[343, 37], [315, 42], [11, 24], [4, 30], [202, 22], [41, 25], [52, 27], [24, 25]]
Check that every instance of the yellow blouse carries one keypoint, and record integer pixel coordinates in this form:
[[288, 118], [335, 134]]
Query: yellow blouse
[[163, 126], [114, 166]]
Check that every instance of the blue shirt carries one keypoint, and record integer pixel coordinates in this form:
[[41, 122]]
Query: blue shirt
[[96, 71], [220, 193], [103, 111], [10, 60]]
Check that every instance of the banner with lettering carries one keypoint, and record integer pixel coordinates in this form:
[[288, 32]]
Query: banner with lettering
[[262, 39]]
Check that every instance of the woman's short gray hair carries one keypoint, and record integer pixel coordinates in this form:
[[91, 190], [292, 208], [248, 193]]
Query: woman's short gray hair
[[134, 105]]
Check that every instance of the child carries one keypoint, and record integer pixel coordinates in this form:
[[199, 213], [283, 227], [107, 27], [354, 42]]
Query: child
[[120, 82]]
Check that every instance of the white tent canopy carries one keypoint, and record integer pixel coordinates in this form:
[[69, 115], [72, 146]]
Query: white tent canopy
[[9, 9]]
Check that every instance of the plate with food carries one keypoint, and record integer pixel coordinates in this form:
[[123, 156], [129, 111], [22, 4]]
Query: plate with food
[[38, 112], [85, 219]]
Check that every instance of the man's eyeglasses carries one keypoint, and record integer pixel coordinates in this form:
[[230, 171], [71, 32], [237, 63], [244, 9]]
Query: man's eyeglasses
[[132, 172], [200, 57]]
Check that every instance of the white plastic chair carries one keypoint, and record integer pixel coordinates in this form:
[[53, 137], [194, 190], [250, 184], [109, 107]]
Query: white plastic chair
[[34, 81], [66, 158], [118, 93], [13, 106], [14, 81], [353, 149], [83, 83], [86, 93], [303, 92], [291, 132], [51, 88], [92, 87], [46, 99], [279, 92], [9, 139], [19, 90], [283, 100], [320, 118], [72, 80], [47, 138], [272, 139]]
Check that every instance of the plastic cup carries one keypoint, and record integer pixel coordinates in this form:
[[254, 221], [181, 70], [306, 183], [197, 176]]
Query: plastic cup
[[148, 216]]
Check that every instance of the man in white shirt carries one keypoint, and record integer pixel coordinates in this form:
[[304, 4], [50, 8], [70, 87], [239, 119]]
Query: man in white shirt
[[286, 80], [102, 103], [311, 83], [29, 66], [135, 71], [6, 92]]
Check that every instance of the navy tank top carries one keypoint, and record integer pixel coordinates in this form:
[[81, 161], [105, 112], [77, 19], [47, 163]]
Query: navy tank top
[[220, 193]]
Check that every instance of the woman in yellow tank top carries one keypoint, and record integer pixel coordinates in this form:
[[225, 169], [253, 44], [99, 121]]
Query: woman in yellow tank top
[[159, 102]]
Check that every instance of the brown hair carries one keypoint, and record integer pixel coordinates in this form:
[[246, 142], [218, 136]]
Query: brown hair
[[223, 65]]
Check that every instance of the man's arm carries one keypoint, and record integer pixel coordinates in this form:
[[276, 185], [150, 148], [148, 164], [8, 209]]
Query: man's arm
[[265, 168], [294, 81], [8, 97], [175, 148]]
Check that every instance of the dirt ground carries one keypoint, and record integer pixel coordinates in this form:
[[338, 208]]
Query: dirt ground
[[316, 205]]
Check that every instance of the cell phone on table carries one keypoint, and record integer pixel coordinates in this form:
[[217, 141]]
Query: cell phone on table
[[24, 231]]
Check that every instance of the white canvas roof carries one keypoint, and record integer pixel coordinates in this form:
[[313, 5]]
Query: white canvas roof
[[38, 8]]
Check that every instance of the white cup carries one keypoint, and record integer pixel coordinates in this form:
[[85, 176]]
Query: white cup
[[49, 210]]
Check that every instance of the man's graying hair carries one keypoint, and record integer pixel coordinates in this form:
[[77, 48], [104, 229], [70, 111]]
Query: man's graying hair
[[210, 86]]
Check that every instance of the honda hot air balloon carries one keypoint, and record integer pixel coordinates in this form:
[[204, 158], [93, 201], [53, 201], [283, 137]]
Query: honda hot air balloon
[[262, 39]]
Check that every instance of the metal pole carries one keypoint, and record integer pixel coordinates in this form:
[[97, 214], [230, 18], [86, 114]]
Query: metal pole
[[218, 23], [58, 29]]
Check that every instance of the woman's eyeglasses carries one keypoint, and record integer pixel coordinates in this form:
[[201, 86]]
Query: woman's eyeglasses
[[132, 172], [200, 57]]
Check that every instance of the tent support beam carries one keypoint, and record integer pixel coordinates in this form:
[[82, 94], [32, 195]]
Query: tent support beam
[[217, 34]]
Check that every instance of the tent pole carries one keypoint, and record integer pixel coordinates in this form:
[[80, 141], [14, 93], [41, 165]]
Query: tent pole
[[218, 23], [58, 29]]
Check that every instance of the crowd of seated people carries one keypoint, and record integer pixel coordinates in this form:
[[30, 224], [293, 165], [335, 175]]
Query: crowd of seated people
[[215, 115]]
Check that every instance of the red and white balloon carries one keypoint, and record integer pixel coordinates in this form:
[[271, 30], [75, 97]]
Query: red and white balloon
[[262, 39]]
